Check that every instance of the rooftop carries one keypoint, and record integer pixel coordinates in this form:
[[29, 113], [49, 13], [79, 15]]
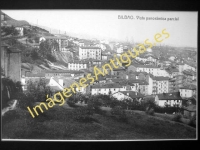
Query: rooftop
[[132, 94], [169, 96], [107, 85], [90, 47]]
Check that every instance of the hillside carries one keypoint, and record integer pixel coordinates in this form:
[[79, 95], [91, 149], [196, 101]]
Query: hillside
[[13, 22], [59, 123]]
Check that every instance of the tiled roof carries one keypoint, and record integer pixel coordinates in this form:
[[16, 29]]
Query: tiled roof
[[187, 72], [35, 75], [138, 73], [90, 47], [132, 94], [79, 61], [107, 85], [54, 37], [161, 78], [169, 96], [190, 87], [64, 71], [145, 66]]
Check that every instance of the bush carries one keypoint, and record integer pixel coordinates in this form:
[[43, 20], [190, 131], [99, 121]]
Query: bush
[[177, 118], [150, 111], [192, 121]]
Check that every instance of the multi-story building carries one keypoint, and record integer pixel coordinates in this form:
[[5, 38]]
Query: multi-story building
[[63, 73], [90, 52], [108, 88], [62, 41], [187, 91], [168, 99], [162, 85], [77, 65], [176, 82]]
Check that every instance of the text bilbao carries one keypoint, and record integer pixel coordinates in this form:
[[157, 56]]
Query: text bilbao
[[123, 58]]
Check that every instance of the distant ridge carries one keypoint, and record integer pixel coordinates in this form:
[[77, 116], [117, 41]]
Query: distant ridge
[[13, 22]]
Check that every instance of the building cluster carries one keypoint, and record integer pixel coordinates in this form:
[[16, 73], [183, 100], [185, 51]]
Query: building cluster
[[149, 76]]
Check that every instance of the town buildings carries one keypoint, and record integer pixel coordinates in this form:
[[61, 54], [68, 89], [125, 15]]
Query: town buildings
[[62, 41], [90, 52]]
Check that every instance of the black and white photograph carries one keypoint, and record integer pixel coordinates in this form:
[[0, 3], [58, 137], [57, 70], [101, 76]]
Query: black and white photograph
[[98, 75]]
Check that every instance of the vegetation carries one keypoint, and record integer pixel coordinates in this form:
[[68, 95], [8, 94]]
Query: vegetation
[[37, 91], [80, 123], [177, 118], [7, 30], [10, 89]]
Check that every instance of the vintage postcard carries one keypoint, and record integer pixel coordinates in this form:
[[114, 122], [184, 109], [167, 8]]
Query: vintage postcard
[[94, 75]]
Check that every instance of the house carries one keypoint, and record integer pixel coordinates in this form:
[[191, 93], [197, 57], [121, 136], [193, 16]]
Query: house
[[168, 99], [189, 74], [28, 76], [100, 45], [172, 58], [55, 84], [145, 68], [130, 95], [90, 52], [107, 88], [187, 91], [172, 71], [11, 62]]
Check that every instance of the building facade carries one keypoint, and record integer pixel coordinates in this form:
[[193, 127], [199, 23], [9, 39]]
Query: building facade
[[90, 52]]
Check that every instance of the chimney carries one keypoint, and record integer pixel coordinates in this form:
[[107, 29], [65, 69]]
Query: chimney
[[60, 81]]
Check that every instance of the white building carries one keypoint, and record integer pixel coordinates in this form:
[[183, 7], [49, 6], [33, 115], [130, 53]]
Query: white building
[[170, 99], [20, 30], [128, 95], [106, 89], [77, 65], [187, 91], [90, 52], [182, 67]]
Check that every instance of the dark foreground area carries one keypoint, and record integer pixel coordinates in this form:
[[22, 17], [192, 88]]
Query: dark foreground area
[[81, 124]]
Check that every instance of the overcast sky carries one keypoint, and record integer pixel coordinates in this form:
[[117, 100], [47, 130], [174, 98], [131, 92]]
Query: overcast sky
[[105, 23]]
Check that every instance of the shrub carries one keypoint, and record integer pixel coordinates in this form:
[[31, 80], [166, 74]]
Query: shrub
[[177, 118], [192, 121], [149, 111]]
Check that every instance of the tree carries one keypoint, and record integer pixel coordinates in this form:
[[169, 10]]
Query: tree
[[7, 30], [37, 91], [34, 55]]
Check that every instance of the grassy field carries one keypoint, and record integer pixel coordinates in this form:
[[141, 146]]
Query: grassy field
[[58, 123]]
